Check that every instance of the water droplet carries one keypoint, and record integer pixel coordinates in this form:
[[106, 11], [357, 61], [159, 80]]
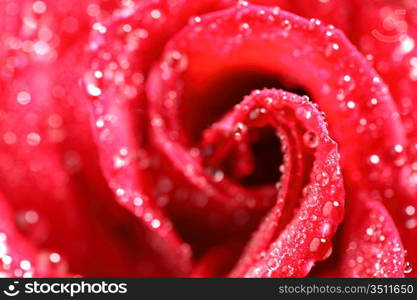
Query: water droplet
[[407, 45], [374, 101], [242, 3], [272, 263], [369, 231], [33, 139], [47, 261], [311, 139], [327, 208], [376, 79], [411, 223], [155, 14], [55, 257], [123, 151], [93, 90], [9, 138], [98, 74], [244, 28], [100, 123], [328, 253], [269, 100], [312, 24], [286, 25], [218, 176], [195, 20], [31, 217], [99, 27], [119, 162], [410, 210], [157, 121], [314, 244], [374, 159], [39, 7], [7, 260], [276, 10], [347, 83], [350, 104], [120, 192], [340, 95], [407, 267], [155, 223], [239, 131], [25, 265], [137, 201], [23, 97], [177, 61], [323, 178], [41, 48], [311, 194]]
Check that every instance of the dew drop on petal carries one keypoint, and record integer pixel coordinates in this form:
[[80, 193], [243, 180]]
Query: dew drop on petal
[[350, 104], [25, 265], [244, 27], [218, 176], [98, 74], [137, 201], [407, 267], [242, 3], [54, 257], [314, 244], [374, 159], [23, 98], [369, 231], [156, 14], [272, 263], [39, 7], [100, 123], [120, 192], [155, 223], [398, 148], [33, 139], [311, 139], [93, 90], [327, 208], [323, 178], [177, 61], [410, 210], [411, 223]]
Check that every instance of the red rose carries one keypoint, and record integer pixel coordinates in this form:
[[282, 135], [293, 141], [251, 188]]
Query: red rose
[[208, 138]]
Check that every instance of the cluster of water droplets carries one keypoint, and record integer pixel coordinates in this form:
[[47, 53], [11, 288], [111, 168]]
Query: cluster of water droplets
[[16, 266], [376, 243]]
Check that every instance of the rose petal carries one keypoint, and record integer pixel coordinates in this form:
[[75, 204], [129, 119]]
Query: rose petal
[[289, 242], [387, 36], [229, 41], [384, 31], [325, 186], [372, 247], [326, 182], [48, 157], [136, 33], [19, 257], [217, 261]]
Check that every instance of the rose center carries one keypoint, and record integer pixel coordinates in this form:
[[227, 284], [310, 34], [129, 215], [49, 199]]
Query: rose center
[[215, 99]]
